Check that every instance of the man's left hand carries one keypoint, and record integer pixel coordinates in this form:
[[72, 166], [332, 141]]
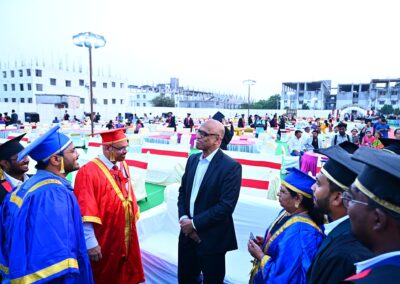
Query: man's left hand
[[186, 226]]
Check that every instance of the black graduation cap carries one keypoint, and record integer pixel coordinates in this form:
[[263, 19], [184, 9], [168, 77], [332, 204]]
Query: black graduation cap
[[218, 116], [348, 147], [380, 177], [392, 145], [11, 147], [340, 168]]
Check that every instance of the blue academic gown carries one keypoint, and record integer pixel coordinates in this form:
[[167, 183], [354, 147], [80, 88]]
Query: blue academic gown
[[288, 251], [7, 209], [46, 242]]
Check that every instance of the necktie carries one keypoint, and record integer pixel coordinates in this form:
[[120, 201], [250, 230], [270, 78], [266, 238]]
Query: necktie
[[119, 178]]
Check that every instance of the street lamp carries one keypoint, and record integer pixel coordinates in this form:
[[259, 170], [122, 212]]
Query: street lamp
[[89, 40], [249, 83]]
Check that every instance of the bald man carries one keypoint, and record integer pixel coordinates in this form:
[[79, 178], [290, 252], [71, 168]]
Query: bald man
[[207, 198]]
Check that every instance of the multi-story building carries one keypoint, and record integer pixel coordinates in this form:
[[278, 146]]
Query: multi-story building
[[49, 90], [200, 99], [353, 94], [316, 95], [385, 92], [140, 97], [321, 95]]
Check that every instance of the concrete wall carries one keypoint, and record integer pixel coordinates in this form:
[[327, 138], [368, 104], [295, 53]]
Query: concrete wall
[[47, 112]]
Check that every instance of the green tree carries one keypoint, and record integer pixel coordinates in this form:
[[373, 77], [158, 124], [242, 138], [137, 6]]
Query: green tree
[[163, 101], [272, 102], [244, 106], [305, 106], [387, 109], [396, 111]]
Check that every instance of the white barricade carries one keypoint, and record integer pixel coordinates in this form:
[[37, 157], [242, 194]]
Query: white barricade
[[138, 164], [260, 173], [166, 162]]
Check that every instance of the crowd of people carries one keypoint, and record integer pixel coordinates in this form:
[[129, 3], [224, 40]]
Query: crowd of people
[[341, 227], [9, 120], [309, 138]]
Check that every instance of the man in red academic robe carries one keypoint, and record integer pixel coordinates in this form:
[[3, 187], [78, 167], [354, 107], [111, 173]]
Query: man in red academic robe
[[109, 212]]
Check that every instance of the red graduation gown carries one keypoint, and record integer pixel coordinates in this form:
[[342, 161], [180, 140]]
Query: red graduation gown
[[113, 213]]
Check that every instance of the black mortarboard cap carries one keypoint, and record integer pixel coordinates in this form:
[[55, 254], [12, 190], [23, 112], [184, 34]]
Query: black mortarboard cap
[[392, 145], [348, 147], [340, 168], [11, 147], [380, 177], [218, 116]]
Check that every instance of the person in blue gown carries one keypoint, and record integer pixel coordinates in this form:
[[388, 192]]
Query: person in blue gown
[[286, 251], [46, 239]]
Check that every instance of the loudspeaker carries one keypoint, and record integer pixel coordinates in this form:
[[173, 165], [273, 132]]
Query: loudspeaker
[[31, 117]]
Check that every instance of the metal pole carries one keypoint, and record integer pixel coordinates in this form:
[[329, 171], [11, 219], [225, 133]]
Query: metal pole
[[91, 91], [248, 102]]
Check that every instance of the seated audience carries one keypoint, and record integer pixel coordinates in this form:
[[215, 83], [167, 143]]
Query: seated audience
[[110, 125], [313, 142], [295, 144], [138, 125], [355, 138], [377, 143], [368, 139]]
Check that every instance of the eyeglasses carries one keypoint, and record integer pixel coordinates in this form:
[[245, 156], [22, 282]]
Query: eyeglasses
[[120, 149], [71, 151], [202, 133], [347, 198]]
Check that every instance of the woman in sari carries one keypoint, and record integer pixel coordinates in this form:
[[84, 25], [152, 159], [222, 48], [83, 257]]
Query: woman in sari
[[286, 251]]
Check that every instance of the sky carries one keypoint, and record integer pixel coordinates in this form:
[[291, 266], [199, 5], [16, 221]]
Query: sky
[[213, 45]]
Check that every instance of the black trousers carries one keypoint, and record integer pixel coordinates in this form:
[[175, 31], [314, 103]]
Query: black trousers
[[191, 262]]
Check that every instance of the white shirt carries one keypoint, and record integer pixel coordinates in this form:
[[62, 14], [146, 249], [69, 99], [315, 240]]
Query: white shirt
[[307, 143], [361, 266], [88, 229], [332, 225], [339, 139], [15, 182], [201, 169], [295, 144]]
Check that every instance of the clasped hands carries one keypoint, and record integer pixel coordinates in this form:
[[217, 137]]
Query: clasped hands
[[188, 230]]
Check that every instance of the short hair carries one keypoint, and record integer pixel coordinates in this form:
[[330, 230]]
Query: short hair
[[333, 187], [297, 131], [396, 130]]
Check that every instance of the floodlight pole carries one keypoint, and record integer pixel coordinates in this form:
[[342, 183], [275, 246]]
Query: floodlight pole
[[90, 40], [91, 91], [249, 83]]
